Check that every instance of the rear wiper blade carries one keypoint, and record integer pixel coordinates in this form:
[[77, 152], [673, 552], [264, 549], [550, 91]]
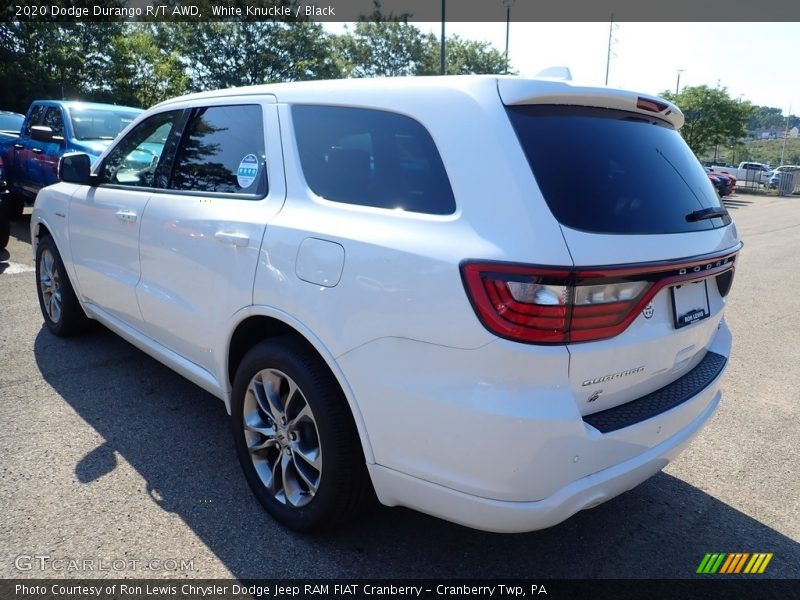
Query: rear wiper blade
[[713, 212]]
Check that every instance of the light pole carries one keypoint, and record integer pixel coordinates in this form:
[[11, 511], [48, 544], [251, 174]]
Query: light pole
[[678, 83], [508, 4]]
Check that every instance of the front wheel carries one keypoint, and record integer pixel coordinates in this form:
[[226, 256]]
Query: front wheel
[[5, 230], [16, 206], [61, 310], [295, 437]]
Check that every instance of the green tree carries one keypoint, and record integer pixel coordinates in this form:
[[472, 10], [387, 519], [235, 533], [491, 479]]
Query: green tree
[[713, 118], [387, 49], [54, 60], [392, 48], [141, 73], [766, 118], [470, 56], [222, 55]]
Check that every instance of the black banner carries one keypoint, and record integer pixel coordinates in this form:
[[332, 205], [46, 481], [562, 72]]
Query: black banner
[[745, 587], [414, 11]]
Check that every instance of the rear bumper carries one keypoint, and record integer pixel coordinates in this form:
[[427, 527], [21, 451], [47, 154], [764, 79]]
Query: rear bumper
[[395, 488], [492, 438]]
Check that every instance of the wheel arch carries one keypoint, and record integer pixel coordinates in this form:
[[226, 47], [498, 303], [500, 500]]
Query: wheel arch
[[258, 323]]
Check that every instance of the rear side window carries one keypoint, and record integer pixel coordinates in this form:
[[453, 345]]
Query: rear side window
[[371, 158], [610, 171], [222, 150]]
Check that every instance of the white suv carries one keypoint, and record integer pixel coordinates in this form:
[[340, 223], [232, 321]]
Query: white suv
[[403, 285]]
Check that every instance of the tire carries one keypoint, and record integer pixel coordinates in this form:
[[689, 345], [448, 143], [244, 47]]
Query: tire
[[5, 230], [320, 477], [16, 206], [60, 308]]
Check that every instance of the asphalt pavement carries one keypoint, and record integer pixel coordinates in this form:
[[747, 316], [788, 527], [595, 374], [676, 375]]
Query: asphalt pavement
[[107, 456]]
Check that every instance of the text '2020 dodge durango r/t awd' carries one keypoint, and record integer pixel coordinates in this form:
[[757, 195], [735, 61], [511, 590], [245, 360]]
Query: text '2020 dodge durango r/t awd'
[[398, 285]]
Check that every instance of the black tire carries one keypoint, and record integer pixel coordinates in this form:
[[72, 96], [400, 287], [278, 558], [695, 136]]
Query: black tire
[[343, 489], [70, 318], [16, 206], [5, 230]]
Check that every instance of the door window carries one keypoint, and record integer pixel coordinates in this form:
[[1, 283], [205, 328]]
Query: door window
[[35, 119], [54, 120], [135, 159], [223, 150]]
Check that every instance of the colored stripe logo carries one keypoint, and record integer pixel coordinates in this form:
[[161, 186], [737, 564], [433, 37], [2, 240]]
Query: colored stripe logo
[[735, 562]]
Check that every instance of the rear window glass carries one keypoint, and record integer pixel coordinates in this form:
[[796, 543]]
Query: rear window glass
[[371, 158], [223, 150], [610, 171], [11, 122]]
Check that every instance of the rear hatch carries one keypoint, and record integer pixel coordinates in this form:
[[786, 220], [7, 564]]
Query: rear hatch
[[652, 247]]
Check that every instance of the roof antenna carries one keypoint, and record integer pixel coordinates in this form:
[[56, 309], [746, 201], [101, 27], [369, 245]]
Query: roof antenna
[[555, 73]]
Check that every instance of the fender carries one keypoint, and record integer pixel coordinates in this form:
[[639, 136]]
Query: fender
[[319, 346]]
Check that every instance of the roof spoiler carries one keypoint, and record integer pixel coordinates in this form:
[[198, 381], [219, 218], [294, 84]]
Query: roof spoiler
[[517, 91]]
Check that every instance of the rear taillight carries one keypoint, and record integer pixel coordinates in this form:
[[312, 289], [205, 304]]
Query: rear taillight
[[541, 305]]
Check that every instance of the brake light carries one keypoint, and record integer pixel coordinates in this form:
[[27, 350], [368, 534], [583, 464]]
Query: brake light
[[541, 305], [650, 105]]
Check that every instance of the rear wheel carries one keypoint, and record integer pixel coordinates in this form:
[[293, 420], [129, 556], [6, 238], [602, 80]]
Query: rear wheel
[[295, 437], [61, 310]]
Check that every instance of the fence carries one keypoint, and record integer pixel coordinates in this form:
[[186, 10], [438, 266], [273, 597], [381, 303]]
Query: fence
[[789, 183]]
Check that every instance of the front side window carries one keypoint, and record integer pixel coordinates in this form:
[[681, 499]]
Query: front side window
[[54, 120], [36, 118], [371, 158], [135, 159], [223, 151]]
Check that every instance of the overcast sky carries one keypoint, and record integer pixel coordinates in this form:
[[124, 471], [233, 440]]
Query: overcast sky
[[760, 61]]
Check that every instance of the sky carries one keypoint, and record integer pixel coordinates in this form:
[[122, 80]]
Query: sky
[[759, 61]]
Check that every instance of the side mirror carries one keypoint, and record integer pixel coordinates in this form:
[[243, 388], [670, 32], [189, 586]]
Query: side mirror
[[42, 133], [75, 167]]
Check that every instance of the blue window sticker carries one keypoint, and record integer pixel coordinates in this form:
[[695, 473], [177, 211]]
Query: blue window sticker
[[247, 172]]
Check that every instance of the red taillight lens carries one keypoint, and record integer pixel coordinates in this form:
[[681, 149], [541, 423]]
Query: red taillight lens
[[555, 306], [519, 303]]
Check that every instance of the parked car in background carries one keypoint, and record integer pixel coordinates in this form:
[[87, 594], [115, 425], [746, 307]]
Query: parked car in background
[[5, 226], [725, 182], [10, 122], [747, 173], [393, 286], [49, 130], [720, 185], [775, 174]]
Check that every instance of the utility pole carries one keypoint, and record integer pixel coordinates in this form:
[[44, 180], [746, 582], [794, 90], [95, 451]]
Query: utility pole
[[508, 4], [442, 53], [678, 83], [786, 133], [610, 38]]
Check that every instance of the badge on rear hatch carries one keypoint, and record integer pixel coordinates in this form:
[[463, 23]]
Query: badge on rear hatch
[[690, 303]]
